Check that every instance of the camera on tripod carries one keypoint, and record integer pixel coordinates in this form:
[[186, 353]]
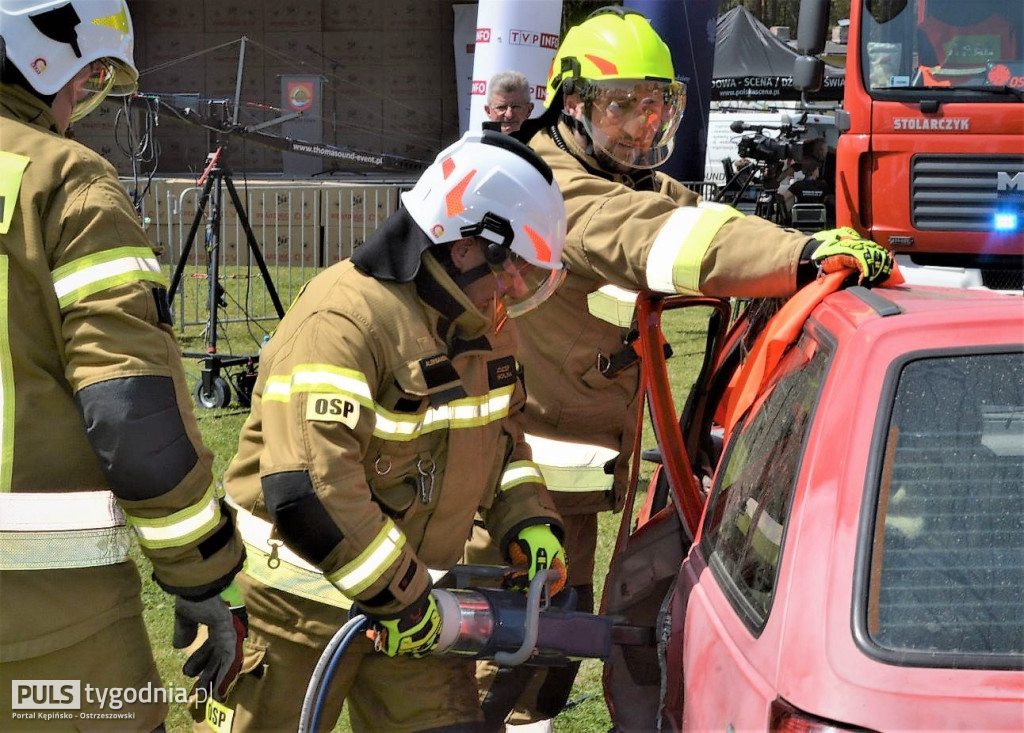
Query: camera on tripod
[[770, 150]]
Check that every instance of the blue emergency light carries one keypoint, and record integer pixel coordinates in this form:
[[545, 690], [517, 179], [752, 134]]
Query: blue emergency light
[[1006, 221]]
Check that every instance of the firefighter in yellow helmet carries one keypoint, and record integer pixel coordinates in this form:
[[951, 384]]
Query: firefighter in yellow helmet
[[385, 416], [613, 108], [97, 433]]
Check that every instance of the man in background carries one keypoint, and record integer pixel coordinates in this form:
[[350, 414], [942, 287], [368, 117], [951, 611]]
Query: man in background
[[508, 101]]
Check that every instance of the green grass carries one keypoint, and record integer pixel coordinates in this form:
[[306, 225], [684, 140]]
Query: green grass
[[220, 428]]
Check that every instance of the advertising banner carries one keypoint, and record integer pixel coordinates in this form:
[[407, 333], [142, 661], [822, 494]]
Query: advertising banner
[[511, 34], [301, 93]]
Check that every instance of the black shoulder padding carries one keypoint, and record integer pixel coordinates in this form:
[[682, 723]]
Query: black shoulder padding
[[136, 431]]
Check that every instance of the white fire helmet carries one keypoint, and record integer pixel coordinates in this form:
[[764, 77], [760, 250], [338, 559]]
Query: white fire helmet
[[491, 186], [50, 42]]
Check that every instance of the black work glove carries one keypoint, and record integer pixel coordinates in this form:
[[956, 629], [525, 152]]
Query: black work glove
[[219, 659]]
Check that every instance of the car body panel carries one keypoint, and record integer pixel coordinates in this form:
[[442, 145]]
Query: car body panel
[[722, 675]]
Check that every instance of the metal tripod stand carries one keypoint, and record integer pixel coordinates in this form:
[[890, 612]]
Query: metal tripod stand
[[212, 389]]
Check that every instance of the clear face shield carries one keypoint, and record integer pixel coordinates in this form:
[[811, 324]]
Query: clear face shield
[[633, 122], [523, 286], [94, 83]]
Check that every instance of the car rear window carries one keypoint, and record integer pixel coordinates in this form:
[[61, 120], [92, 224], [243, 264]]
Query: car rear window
[[746, 520], [947, 560]]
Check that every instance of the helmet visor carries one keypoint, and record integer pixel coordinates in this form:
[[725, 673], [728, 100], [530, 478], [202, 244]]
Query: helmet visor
[[634, 122], [523, 286], [106, 77]]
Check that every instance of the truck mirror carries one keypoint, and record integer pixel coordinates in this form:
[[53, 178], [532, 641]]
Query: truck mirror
[[808, 73], [812, 26]]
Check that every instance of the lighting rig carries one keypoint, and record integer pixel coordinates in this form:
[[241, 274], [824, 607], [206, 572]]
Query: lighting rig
[[221, 117]]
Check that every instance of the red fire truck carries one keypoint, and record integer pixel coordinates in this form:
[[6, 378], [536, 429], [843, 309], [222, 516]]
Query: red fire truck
[[930, 159]]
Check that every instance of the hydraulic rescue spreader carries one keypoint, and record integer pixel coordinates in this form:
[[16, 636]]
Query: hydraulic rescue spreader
[[488, 623]]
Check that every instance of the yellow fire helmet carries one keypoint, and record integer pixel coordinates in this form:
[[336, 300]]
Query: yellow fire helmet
[[50, 42], [619, 65]]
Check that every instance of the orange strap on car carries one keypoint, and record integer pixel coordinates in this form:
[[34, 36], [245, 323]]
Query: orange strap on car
[[782, 330], [748, 381]]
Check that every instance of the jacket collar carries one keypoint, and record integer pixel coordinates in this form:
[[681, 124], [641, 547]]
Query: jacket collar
[[458, 318], [393, 252], [562, 135], [24, 106]]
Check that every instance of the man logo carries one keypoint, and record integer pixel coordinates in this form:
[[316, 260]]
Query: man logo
[[1004, 182]]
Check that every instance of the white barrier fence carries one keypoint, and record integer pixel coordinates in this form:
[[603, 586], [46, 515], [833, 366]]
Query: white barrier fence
[[299, 228]]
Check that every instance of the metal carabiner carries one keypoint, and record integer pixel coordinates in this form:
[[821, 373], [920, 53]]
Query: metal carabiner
[[426, 469]]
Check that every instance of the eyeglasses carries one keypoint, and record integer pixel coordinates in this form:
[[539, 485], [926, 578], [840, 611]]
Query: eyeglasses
[[627, 98], [503, 108]]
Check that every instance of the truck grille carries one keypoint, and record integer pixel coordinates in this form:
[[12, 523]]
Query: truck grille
[[960, 193]]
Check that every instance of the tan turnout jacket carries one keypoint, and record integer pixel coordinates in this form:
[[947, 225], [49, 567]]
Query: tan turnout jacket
[[83, 307], [646, 233], [384, 417]]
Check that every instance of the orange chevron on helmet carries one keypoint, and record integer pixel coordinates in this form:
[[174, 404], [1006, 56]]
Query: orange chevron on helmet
[[453, 199], [540, 245], [606, 67]]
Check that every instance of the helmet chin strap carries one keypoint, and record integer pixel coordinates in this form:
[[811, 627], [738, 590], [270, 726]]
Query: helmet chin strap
[[577, 126], [467, 278]]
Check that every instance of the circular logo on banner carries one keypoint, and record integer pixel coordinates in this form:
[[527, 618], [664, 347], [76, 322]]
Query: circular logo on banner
[[300, 95], [999, 75]]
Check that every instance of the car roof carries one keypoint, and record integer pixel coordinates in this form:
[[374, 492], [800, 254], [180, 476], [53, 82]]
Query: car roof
[[858, 306]]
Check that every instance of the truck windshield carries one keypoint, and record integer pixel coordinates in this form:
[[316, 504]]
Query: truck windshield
[[943, 45]]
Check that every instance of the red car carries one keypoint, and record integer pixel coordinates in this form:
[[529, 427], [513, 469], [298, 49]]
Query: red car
[[845, 551]]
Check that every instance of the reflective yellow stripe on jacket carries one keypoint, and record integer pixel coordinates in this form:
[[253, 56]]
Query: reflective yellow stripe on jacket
[[6, 385], [180, 528], [272, 563], [572, 466], [358, 575], [98, 272], [673, 263], [467, 412], [521, 472]]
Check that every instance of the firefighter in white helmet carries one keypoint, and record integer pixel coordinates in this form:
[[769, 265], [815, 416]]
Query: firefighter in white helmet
[[385, 416], [613, 108], [97, 433]]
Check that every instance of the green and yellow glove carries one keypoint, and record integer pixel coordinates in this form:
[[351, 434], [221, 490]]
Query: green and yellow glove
[[536, 548], [844, 248], [415, 632]]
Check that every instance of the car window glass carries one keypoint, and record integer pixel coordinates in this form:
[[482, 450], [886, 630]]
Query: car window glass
[[947, 571], [746, 519]]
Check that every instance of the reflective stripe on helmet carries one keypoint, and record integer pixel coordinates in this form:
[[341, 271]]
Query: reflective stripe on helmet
[[610, 45]]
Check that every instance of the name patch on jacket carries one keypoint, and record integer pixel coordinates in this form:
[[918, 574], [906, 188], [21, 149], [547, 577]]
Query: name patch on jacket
[[438, 371], [332, 407], [442, 381], [501, 372]]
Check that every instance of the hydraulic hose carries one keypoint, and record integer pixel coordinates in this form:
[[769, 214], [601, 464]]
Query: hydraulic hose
[[323, 673]]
